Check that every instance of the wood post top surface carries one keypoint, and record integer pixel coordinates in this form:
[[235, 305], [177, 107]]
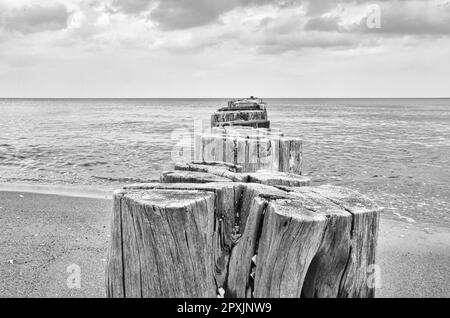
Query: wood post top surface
[[165, 197], [332, 199]]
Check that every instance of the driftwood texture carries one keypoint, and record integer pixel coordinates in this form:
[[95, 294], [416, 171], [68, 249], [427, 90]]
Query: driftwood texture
[[255, 123], [252, 152], [202, 172], [190, 177], [247, 103], [246, 132], [237, 115], [249, 112], [252, 240]]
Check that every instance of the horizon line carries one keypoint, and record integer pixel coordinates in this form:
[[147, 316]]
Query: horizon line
[[428, 97]]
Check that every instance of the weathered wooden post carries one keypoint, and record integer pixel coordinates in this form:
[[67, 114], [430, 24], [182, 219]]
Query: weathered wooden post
[[245, 112], [203, 172], [242, 219], [252, 152], [189, 240]]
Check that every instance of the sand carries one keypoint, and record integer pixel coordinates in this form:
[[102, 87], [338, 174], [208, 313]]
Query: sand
[[41, 235], [414, 260]]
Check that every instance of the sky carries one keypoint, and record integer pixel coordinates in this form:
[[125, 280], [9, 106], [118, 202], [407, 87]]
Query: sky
[[224, 48]]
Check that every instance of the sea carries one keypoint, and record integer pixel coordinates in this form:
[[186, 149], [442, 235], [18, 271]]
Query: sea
[[396, 151]]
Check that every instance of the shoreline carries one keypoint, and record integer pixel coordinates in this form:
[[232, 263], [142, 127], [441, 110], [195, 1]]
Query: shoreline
[[107, 192], [42, 234], [93, 192]]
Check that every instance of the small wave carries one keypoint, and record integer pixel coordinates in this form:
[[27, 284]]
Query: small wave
[[407, 219], [126, 180], [92, 164]]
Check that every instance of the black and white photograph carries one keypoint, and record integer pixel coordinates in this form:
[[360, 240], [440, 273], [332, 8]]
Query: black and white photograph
[[224, 149]]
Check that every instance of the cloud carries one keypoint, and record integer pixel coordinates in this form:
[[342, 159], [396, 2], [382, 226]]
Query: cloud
[[221, 47], [399, 17], [174, 14], [288, 30], [189, 26], [131, 6], [185, 14], [267, 31], [323, 23], [409, 18], [317, 7], [35, 18], [289, 43]]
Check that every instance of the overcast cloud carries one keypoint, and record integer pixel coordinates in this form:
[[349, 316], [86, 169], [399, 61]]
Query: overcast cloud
[[139, 48], [34, 18]]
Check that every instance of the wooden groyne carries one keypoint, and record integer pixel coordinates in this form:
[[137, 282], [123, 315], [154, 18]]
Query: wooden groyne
[[203, 172], [249, 112], [253, 153], [241, 228]]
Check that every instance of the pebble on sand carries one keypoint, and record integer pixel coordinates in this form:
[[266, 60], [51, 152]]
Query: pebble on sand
[[221, 292]]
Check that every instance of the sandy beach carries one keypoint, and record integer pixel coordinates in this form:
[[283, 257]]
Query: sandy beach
[[42, 234]]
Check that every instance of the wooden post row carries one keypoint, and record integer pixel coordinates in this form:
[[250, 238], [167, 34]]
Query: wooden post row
[[252, 153]]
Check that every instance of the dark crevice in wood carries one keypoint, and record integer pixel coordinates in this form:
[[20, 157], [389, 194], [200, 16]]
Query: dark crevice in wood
[[345, 270], [255, 252], [270, 197], [312, 269], [261, 222], [258, 159], [186, 238], [338, 203], [224, 151], [223, 251], [237, 233], [225, 282], [282, 188], [235, 153], [239, 206]]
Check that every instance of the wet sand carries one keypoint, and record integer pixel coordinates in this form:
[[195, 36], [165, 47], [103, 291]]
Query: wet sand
[[41, 235]]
